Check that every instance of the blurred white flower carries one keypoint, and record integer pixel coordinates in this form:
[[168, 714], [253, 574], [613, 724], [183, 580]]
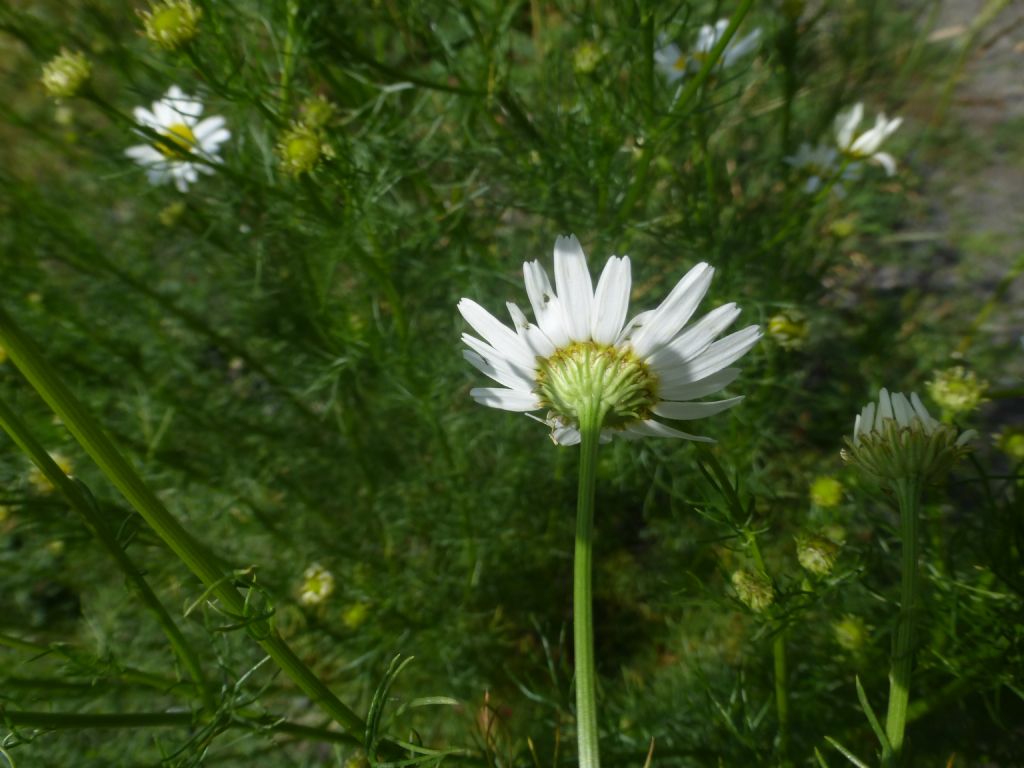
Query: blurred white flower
[[819, 163], [582, 358], [865, 146], [189, 145], [675, 64]]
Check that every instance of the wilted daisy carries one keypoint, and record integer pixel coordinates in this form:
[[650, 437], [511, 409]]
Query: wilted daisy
[[188, 145], [675, 64], [582, 362], [898, 439], [865, 146]]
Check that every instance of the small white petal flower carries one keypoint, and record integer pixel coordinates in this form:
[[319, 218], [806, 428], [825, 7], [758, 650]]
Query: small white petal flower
[[866, 145], [189, 145], [675, 64], [582, 352]]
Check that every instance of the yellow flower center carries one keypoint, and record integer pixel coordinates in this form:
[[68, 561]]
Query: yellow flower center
[[680, 63], [178, 141]]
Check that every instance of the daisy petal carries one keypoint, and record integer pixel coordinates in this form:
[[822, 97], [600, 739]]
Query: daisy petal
[[722, 353], [208, 127], [696, 338], [706, 386], [611, 301], [546, 307], [652, 428], [506, 399], [885, 160], [500, 371], [689, 411], [574, 287], [505, 341], [674, 311]]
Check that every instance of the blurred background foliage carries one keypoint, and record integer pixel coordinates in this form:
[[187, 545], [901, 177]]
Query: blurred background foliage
[[278, 354]]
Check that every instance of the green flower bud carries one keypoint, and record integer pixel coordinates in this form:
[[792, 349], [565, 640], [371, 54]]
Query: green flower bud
[[816, 554], [826, 492], [753, 589], [586, 57], [957, 390], [66, 73], [317, 112], [899, 440], [300, 150], [851, 633], [172, 23], [1010, 441], [788, 329]]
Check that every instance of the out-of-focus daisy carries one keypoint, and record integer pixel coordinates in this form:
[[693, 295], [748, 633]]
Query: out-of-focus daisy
[[675, 64], [581, 361], [188, 145], [865, 145], [819, 163]]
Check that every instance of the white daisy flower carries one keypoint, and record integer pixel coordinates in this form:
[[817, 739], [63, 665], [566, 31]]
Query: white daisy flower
[[186, 137], [581, 356], [675, 64], [865, 146]]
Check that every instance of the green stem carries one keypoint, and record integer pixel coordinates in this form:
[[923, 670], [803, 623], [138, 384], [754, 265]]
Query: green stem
[[781, 695], [83, 503], [25, 355], [583, 618], [908, 493]]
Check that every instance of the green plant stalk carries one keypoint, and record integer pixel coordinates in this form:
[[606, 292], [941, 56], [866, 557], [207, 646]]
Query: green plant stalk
[[202, 563], [781, 695], [84, 505], [590, 418], [908, 494]]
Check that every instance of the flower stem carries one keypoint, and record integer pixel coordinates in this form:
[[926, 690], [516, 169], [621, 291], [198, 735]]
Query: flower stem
[[781, 695], [908, 493], [583, 618], [82, 502], [221, 584]]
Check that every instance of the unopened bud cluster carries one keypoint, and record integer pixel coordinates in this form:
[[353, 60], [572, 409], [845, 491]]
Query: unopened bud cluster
[[754, 590], [66, 73], [303, 146], [816, 554], [897, 439], [957, 390], [788, 329], [172, 23]]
